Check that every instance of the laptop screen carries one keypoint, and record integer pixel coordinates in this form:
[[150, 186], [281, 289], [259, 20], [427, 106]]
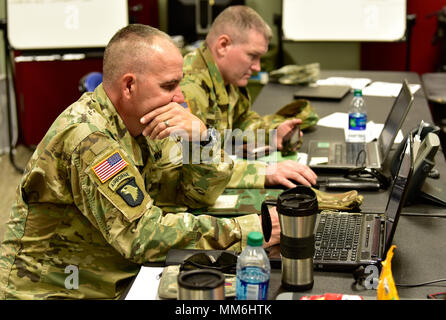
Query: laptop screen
[[398, 193], [395, 119]]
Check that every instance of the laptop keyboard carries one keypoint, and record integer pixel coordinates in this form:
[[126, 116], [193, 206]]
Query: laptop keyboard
[[337, 237], [353, 153], [338, 153]]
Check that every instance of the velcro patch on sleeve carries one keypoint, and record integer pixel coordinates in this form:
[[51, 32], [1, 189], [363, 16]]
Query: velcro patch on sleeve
[[131, 193], [109, 166]]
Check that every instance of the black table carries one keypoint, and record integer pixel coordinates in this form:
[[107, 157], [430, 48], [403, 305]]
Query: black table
[[274, 96], [420, 238], [419, 257]]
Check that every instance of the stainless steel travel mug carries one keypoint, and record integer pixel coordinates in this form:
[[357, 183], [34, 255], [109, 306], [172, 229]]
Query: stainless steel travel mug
[[203, 284], [297, 209]]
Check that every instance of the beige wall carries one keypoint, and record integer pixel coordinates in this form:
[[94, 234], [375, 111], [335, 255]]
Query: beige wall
[[331, 55]]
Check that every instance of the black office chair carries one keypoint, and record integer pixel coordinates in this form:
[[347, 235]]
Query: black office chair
[[90, 81], [434, 85]]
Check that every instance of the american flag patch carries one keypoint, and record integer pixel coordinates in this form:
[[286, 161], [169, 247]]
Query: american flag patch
[[109, 167], [185, 105]]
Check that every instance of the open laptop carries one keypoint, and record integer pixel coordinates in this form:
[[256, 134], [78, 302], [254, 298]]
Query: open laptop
[[346, 240], [342, 155]]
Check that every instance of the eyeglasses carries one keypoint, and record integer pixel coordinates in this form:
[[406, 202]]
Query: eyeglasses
[[225, 263]]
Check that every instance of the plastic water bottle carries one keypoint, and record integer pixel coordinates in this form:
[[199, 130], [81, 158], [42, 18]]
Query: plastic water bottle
[[357, 119], [253, 270]]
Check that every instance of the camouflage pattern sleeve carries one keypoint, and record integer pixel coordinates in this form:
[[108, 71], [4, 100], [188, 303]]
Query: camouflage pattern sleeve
[[220, 106], [198, 97], [126, 215], [247, 119], [248, 174], [185, 174]]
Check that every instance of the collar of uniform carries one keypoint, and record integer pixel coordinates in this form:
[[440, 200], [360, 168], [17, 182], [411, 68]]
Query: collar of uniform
[[226, 95], [117, 126]]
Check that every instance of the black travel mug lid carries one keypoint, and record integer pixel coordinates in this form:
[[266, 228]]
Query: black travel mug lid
[[203, 279], [297, 202]]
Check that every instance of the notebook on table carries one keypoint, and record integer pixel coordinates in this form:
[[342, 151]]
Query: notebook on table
[[346, 240], [332, 92], [342, 155]]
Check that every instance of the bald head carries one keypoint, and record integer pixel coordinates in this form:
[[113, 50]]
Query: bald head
[[130, 49], [236, 21]]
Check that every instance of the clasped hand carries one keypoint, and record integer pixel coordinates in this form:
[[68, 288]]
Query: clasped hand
[[173, 119]]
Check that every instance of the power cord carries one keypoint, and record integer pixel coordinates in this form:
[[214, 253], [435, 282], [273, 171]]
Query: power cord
[[363, 173], [419, 284], [360, 276], [358, 158]]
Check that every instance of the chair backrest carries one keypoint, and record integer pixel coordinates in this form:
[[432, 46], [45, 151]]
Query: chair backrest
[[90, 81]]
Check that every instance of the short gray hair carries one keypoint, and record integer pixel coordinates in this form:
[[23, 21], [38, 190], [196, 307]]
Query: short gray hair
[[235, 21], [126, 51]]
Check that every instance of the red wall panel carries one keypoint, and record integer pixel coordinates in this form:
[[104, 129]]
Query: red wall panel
[[44, 89], [144, 12], [424, 57]]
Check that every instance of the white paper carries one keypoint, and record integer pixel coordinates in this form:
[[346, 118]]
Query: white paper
[[318, 160], [386, 89], [225, 201], [354, 83], [145, 286], [334, 120], [302, 157], [374, 130]]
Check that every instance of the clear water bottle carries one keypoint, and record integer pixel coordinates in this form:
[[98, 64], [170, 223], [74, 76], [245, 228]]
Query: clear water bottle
[[253, 270], [357, 119]]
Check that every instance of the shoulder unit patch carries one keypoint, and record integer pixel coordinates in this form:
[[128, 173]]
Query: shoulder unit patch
[[131, 193]]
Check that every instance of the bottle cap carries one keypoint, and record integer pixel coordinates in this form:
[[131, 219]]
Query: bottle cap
[[255, 239], [357, 92]]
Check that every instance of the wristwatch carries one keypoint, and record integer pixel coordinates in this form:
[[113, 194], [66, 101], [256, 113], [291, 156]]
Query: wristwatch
[[211, 137]]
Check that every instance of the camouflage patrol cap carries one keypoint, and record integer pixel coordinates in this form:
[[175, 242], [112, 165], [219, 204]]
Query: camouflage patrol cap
[[296, 74], [300, 108], [346, 201]]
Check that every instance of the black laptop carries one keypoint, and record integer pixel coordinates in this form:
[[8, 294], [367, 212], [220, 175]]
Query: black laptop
[[342, 155], [346, 240]]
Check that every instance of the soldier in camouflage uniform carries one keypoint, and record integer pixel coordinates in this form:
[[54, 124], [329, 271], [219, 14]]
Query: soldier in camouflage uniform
[[215, 76], [90, 205]]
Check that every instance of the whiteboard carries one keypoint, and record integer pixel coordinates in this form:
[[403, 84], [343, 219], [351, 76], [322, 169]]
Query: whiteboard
[[343, 20], [61, 24]]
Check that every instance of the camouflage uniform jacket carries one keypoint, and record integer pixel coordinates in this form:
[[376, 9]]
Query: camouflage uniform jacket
[[70, 219], [223, 107]]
